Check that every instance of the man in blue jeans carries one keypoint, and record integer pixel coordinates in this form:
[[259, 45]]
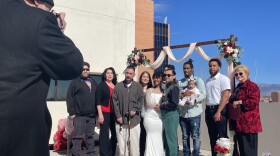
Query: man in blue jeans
[[190, 115]]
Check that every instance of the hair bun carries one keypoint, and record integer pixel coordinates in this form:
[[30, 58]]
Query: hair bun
[[190, 60]]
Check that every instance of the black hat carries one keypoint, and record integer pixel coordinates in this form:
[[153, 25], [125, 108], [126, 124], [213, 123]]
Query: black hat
[[50, 2]]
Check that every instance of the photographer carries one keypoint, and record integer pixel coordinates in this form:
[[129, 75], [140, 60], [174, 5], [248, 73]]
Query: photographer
[[47, 6], [33, 50]]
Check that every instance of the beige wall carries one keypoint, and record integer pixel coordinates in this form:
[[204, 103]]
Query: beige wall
[[103, 30]]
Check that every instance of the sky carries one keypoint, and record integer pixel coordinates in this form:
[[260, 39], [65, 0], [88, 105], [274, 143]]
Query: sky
[[256, 24]]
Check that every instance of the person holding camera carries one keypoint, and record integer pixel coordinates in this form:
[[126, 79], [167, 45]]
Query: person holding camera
[[33, 50]]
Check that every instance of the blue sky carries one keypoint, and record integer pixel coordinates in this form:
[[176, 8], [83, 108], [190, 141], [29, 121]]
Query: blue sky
[[255, 23]]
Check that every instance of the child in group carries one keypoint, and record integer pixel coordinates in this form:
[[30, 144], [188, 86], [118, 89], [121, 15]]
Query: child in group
[[189, 100]]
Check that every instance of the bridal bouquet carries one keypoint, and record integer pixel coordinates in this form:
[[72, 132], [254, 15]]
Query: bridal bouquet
[[223, 147]]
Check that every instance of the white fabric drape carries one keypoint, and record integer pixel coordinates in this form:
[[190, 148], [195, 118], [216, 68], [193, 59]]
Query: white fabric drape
[[187, 55], [206, 57], [167, 51], [159, 61]]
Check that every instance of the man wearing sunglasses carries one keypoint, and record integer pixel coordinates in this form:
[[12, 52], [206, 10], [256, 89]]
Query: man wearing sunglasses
[[166, 67], [218, 91], [81, 108]]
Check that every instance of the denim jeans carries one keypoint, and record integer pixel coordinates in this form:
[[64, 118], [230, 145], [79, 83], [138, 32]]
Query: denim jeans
[[191, 127]]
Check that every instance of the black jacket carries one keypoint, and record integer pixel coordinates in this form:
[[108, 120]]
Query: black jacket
[[32, 51], [103, 94], [80, 98]]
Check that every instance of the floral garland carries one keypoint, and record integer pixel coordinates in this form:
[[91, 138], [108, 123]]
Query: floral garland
[[137, 58], [230, 50], [223, 146]]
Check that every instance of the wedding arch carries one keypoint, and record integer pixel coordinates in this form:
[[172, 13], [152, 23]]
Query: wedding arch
[[228, 50]]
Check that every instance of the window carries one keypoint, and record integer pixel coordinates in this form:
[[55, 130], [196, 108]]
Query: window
[[58, 88]]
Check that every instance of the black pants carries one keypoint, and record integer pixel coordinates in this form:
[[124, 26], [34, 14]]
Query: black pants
[[142, 138], [248, 144], [83, 127], [216, 130], [108, 146]]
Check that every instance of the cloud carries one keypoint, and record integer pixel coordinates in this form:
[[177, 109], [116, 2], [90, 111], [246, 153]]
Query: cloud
[[160, 7]]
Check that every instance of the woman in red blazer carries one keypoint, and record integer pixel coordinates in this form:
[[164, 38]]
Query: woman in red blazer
[[248, 125]]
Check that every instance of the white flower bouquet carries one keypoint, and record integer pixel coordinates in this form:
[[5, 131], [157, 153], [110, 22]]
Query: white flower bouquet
[[223, 146]]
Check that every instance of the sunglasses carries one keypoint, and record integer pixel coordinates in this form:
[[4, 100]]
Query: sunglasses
[[240, 74], [168, 75], [85, 69]]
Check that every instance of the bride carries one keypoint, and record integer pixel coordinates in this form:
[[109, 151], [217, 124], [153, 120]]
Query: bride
[[152, 120]]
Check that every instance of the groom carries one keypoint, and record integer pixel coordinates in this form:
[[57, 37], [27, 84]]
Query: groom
[[127, 100]]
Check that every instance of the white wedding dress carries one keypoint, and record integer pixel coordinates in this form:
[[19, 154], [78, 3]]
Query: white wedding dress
[[153, 125]]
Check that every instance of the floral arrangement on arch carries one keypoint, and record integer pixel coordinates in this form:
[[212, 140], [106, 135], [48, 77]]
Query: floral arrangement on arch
[[223, 146], [230, 50], [137, 58]]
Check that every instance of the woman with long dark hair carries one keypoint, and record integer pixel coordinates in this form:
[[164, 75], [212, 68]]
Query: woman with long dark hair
[[106, 115], [152, 119], [146, 82]]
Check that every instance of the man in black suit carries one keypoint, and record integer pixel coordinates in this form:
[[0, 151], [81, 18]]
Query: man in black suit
[[33, 50]]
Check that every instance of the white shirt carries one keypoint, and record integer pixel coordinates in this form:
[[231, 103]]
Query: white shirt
[[214, 88], [128, 85]]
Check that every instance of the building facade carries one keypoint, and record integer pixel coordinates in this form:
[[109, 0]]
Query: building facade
[[161, 39], [144, 30], [275, 97]]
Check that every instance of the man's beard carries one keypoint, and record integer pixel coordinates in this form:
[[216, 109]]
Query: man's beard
[[128, 79], [187, 76], [84, 77], [215, 73]]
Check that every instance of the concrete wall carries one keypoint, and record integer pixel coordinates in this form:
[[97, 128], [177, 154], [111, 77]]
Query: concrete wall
[[268, 139], [104, 31]]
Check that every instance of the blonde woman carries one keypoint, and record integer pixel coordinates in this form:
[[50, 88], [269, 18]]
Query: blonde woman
[[248, 125]]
